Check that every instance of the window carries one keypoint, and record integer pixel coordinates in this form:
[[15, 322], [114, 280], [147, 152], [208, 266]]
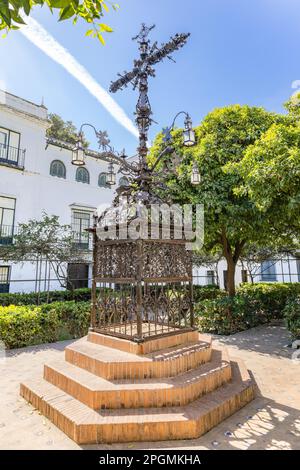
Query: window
[[210, 278], [123, 181], [82, 175], [80, 222], [268, 271], [4, 278], [244, 275], [78, 275], [57, 168], [9, 146], [7, 216], [298, 269], [102, 181]]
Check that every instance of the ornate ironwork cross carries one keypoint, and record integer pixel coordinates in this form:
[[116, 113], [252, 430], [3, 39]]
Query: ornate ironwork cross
[[143, 68], [150, 54]]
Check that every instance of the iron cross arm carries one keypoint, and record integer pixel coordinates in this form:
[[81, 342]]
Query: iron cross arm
[[142, 66], [175, 43]]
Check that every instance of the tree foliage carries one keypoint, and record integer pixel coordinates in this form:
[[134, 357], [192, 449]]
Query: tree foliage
[[45, 239], [62, 130], [271, 178], [232, 218], [13, 13]]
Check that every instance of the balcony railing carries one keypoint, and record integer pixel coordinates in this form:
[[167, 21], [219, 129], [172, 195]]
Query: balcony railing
[[12, 156], [6, 234], [82, 240]]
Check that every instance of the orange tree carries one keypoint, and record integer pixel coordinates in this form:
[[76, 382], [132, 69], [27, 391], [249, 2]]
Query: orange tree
[[233, 220]]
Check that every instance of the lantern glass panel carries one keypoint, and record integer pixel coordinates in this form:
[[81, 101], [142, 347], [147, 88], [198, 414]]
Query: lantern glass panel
[[189, 138], [78, 155]]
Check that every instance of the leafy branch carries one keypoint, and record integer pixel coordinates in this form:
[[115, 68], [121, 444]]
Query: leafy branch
[[13, 13]]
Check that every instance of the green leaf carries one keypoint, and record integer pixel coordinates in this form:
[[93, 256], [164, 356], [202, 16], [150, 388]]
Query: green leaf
[[101, 38], [105, 27], [16, 17], [105, 6], [5, 12], [59, 3], [66, 13], [26, 6]]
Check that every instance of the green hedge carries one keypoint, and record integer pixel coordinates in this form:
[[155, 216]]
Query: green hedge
[[271, 297], [207, 292], [254, 304], [29, 325], [228, 315], [292, 317], [33, 298]]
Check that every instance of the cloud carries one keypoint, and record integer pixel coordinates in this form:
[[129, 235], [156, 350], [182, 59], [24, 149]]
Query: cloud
[[35, 33]]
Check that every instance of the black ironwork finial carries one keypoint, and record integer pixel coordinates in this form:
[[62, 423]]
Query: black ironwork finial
[[144, 33]]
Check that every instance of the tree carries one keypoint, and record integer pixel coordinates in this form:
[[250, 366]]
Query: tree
[[13, 13], [271, 179], [231, 220], [44, 240], [64, 131]]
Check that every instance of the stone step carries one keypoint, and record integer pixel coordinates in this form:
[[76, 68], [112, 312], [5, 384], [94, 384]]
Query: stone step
[[113, 364], [146, 347], [87, 426], [100, 393]]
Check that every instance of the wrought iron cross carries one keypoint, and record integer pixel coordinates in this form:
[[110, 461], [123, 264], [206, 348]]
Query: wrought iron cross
[[143, 67]]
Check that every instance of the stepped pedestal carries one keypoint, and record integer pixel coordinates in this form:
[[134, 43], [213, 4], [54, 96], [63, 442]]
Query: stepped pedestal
[[114, 390]]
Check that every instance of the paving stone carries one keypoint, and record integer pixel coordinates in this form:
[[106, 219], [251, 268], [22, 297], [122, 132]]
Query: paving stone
[[262, 349]]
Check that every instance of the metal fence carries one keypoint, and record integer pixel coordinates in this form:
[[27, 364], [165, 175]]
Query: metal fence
[[284, 270]]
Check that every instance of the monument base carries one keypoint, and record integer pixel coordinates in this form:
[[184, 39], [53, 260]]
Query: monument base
[[108, 389]]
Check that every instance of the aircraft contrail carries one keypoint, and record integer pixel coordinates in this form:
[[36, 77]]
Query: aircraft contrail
[[44, 41]]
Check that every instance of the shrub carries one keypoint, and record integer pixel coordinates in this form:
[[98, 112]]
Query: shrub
[[23, 326], [29, 325], [33, 298], [254, 304], [74, 316], [270, 297], [228, 315], [292, 317], [207, 292]]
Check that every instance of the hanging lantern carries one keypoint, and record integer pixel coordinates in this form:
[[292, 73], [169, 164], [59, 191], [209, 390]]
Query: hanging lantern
[[195, 176], [78, 153], [189, 138], [111, 175]]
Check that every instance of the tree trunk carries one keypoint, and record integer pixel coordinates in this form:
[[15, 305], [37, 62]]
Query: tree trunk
[[232, 257], [231, 277]]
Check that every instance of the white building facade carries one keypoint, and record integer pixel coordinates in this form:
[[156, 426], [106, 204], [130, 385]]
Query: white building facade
[[284, 269], [37, 176]]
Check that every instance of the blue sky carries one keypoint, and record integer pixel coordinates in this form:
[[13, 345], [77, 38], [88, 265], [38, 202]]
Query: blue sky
[[239, 52]]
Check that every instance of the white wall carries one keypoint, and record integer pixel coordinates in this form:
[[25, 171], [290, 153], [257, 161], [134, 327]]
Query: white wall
[[286, 271], [34, 189]]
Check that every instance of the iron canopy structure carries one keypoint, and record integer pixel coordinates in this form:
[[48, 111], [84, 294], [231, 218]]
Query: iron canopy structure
[[142, 284]]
